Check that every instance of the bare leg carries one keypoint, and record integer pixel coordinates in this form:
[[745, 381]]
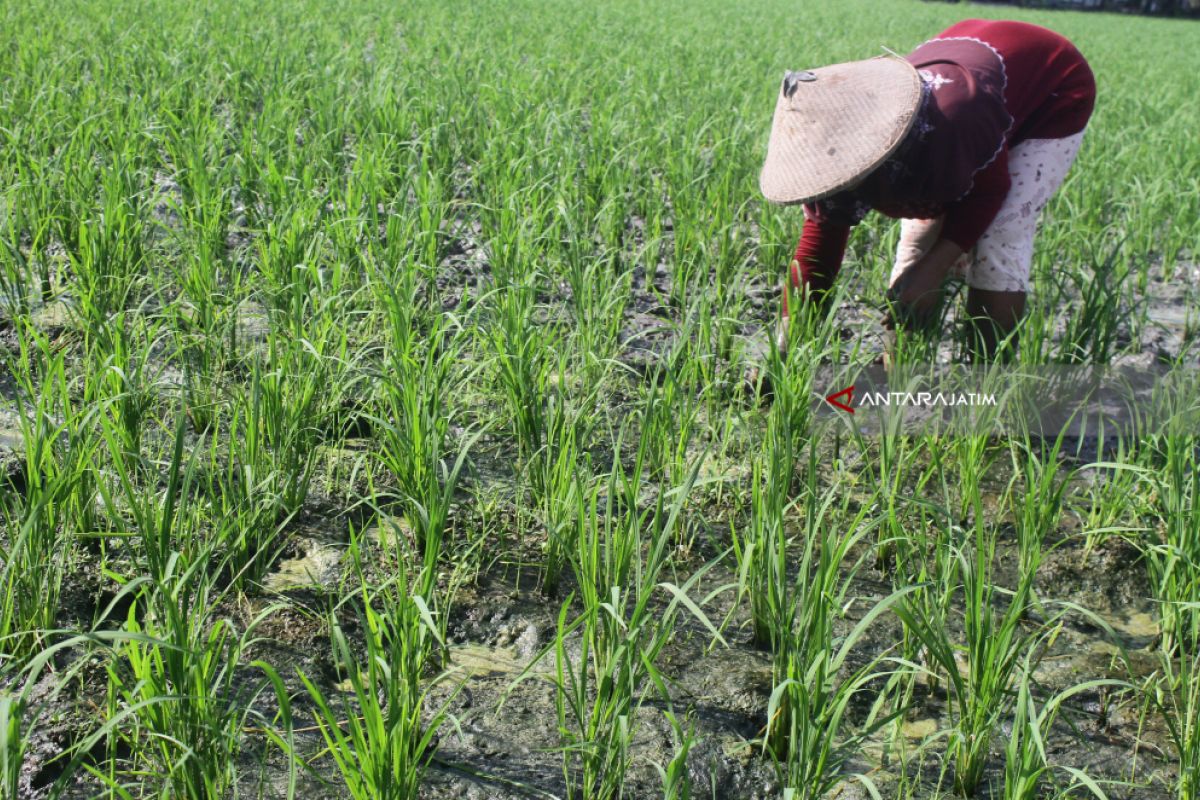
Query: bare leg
[[993, 316]]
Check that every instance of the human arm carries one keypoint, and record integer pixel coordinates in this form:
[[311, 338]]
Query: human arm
[[818, 257], [815, 265]]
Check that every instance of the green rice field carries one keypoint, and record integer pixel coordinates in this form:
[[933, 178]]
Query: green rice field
[[375, 422]]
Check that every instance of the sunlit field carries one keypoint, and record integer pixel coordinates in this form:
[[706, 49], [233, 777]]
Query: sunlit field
[[375, 423]]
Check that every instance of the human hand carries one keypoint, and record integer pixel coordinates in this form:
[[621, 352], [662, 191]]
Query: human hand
[[915, 298], [784, 324], [913, 302]]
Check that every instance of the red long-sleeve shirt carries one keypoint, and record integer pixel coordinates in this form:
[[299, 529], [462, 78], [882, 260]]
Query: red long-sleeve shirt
[[987, 86]]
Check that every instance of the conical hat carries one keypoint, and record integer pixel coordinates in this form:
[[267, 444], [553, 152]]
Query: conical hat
[[835, 124]]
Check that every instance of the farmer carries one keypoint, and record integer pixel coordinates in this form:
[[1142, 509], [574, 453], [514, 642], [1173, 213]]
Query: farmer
[[965, 140]]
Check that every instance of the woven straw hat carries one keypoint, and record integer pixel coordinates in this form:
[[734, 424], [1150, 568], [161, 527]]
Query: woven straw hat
[[835, 124]]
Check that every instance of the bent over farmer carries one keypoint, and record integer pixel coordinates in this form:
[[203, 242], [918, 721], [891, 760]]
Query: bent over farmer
[[965, 139]]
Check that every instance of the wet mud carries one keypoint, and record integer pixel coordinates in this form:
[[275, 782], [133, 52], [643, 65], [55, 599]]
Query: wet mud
[[498, 685]]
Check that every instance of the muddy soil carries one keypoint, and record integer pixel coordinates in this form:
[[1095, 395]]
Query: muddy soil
[[500, 691], [504, 742]]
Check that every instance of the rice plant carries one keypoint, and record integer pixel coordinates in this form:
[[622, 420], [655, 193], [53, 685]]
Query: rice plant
[[383, 730], [808, 732], [621, 629], [562, 491], [109, 244], [34, 567], [995, 644], [1104, 510], [1173, 556], [1091, 334], [1027, 765], [176, 671], [56, 502], [676, 779], [524, 363], [762, 552], [1038, 504], [14, 740], [121, 351], [1175, 695], [1173, 564], [164, 526], [599, 293], [414, 434], [28, 697], [922, 542]]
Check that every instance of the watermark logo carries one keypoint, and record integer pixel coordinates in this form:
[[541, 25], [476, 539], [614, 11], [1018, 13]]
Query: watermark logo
[[847, 393], [908, 399], [1096, 401], [927, 399]]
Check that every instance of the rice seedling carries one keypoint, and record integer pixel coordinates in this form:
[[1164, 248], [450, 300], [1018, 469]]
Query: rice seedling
[[1105, 510], [762, 552], [620, 556], [599, 292], [927, 546], [601, 688], [382, 731], [285, 250], [14, 740], [1027, 764], [27, 701], [972, 458], [563, 489], [898, 461], [34, 567], [163, 526], [277, 421], [1175, 694], [54, 505], [597, 734], [1173, 565], [1173, 557], [176, 671], [191, 143], [203, 332], [414, 434], [995, 644], [547, 424], [108, 256], [807, 734], [676, 779], [25, 274], [121, 350], [1038, 504], [921, 539], [245, 523], [524, 363], [1091, 334]]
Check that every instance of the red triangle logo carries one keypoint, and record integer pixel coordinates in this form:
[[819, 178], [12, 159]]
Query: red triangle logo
[[848, 393]]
